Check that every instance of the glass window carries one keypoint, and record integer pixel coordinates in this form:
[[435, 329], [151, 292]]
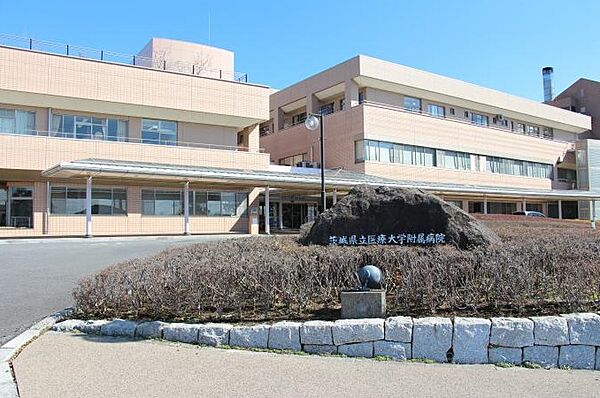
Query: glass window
[[548, 132], [372, 150], [200, 208], [342, 104], [87, 127], [386, 152], [293, 160], [454, 160], [326, 109], [359, 151], [17, 122], [567, 175], [168, 203], [479, 119], [412, 104], [71, 200], [214, 204], [241, 202], [228, 204], [160, 132], [436, 110], [299, 118], [147, 202]]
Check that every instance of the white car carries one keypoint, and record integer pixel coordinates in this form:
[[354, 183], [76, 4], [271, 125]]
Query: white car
[[529, 213]]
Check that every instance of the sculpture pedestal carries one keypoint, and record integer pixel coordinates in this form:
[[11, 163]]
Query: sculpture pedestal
[[363, 304]]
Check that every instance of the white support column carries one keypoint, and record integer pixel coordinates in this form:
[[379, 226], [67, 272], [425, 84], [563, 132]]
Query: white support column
[[46, 230], [186, 208], [524, 205], [593, 214], [334, 199], [267, 226], [280, 214], [485, 209], [560, 209], [88, 207]]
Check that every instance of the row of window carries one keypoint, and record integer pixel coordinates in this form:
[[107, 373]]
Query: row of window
[[388, 152], [161, 132], [211, 204], [414, 105], [155, 202]]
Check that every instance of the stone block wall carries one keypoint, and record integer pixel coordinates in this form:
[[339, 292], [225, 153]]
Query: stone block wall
[[571, 340]]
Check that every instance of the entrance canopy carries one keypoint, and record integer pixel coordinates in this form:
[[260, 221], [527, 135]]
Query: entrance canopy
[[286, 178]]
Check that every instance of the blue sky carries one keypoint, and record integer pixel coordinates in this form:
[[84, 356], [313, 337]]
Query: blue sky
[[500, 44]]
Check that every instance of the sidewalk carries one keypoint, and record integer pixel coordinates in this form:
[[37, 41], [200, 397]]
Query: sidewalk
[[69, 365]]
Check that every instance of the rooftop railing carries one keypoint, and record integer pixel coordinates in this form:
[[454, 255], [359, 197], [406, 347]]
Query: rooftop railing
[[103, 137], [50, 47]]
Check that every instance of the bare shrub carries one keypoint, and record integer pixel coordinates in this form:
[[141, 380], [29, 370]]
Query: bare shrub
[[540, 268]]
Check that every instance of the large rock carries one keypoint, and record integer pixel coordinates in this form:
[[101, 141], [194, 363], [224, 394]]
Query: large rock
[[545, 356], [364, 350], [512, 332], [584, 328], [550, 330], [181, 332], [397, 216], [119, 328], [347, 331], [316, 333], [250, 336], [471, 340], [214, 334], [392, 349], [432, 338], [285, 336], [505, 355], [577, 356], [399, 328], [150, 330]]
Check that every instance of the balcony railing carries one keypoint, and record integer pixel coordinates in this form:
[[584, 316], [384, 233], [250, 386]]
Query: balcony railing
[[163, 143], [69, 50]]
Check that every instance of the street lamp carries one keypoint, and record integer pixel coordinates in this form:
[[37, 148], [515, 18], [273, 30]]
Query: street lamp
[[313, 122]]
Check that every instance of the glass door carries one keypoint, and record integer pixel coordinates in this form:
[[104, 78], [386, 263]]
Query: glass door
[[3, 206], [20, 207]]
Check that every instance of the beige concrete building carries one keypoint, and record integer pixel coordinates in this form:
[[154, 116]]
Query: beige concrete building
[[484, 150], [168, 141], [65, 105]]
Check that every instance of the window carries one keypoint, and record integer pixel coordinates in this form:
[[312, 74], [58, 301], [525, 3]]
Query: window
[[548, 132], [452, 111], [71, 200], [453, 160], [299, 118], [567, 175], [518, 167], [342, 104], [161, 132], [326, 109], [532, 130], [218, 204], [264, 130], [479, 119], [17, 122], [501, 207], [21, 207], [412, 104], [359, 151], [386, 154], [371, 150], [436, 110], [162, 203], [293, 160], [88, 127], [361, 97], [520, 128]]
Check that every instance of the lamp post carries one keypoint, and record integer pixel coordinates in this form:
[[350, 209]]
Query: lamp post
[[315, 121]]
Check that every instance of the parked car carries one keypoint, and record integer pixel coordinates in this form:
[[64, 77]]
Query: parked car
[[529, 213]]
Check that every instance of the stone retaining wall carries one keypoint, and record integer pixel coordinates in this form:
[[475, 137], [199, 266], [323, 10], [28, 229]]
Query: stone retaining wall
[[571, 340]]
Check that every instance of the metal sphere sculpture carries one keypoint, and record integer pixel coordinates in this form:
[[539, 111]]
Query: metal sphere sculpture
[[369, 277]]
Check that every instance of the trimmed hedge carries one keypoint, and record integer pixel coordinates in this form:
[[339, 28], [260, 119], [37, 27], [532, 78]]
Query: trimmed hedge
[[541, 267]]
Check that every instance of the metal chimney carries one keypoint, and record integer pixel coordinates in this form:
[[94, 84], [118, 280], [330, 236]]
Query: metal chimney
[[547, 73]]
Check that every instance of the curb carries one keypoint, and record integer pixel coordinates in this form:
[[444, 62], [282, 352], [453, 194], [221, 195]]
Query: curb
[[8, 385]]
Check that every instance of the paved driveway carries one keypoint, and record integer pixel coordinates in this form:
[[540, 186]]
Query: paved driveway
[[68, 365], [38, 275]]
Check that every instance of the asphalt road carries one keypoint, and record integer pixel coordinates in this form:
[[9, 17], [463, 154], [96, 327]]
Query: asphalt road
[[68, 365], [37, 276]]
